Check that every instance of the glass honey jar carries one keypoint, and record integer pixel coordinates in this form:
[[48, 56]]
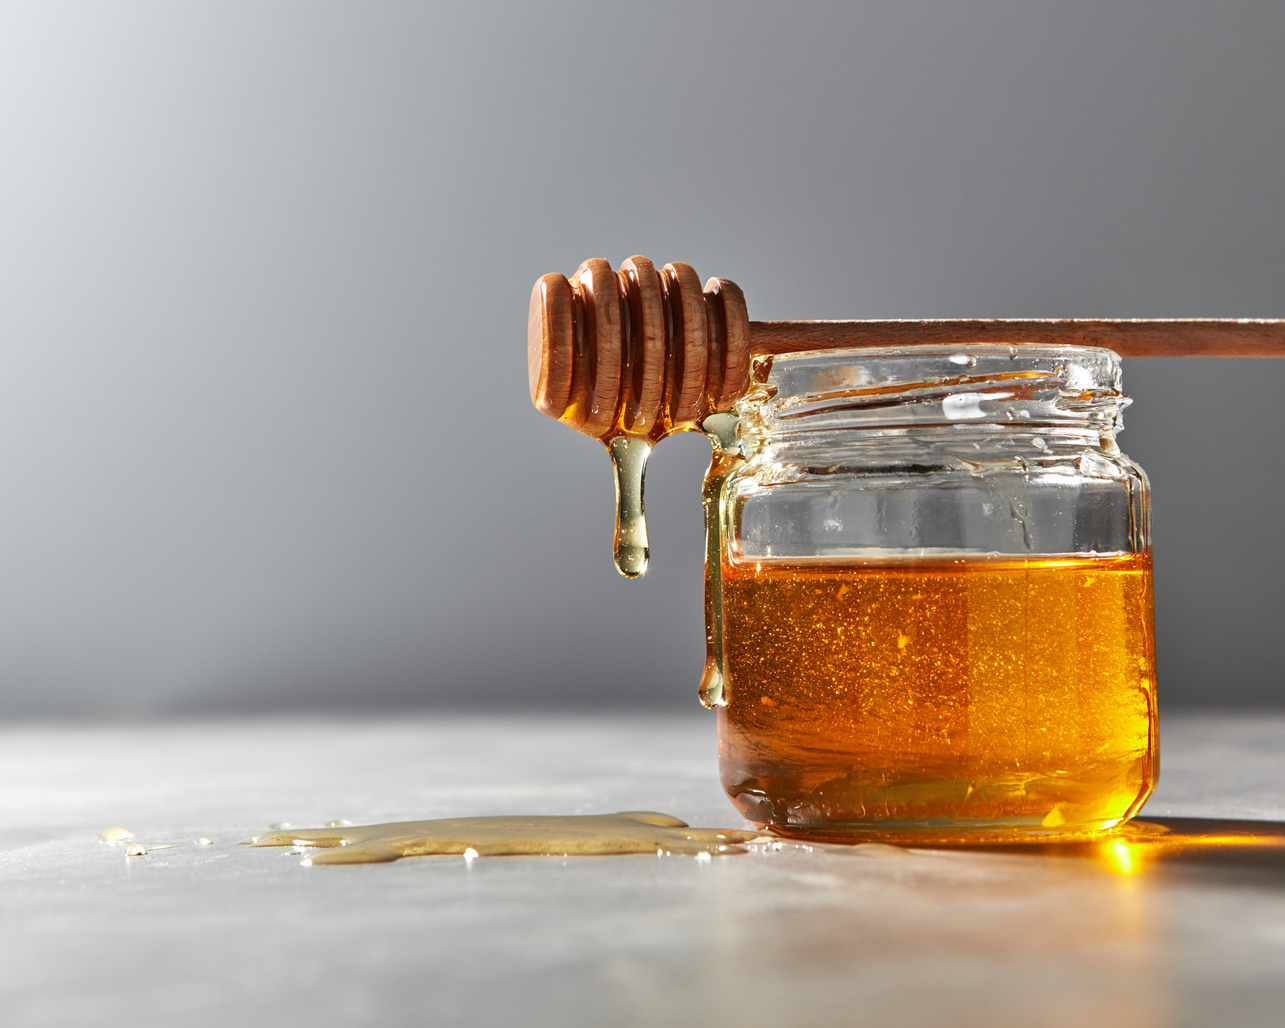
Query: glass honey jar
[[930, 596]]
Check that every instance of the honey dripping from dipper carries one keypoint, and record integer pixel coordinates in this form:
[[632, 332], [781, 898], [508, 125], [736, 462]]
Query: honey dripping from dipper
[[630, 357]]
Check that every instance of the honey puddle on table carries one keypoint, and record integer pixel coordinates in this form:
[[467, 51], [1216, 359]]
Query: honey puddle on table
[[636, 831], [1138, 847]]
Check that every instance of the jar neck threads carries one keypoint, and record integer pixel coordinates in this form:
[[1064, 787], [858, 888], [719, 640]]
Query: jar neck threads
[[913, 402]]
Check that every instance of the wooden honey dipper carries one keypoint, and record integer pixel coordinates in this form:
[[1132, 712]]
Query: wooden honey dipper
[[634, 355]]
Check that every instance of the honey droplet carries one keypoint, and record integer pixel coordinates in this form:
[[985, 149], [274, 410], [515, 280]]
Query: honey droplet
[[115, 835], [629, 458]]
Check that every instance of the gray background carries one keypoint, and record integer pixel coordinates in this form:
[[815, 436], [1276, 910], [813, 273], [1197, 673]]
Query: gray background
[[265, 439]]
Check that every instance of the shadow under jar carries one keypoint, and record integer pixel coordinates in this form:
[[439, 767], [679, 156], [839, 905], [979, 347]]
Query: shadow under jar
[[936, 600]]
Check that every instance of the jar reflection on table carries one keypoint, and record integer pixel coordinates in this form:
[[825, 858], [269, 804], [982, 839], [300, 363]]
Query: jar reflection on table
[[936, 600]]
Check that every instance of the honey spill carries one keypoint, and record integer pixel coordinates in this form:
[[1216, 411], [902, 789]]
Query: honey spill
[[943, 697], [576, 835]]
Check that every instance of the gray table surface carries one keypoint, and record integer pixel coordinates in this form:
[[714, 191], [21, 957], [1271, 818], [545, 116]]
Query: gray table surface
[[822, 935]]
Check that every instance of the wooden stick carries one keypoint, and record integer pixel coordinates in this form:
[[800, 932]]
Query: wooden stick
[[1179, 337], [645, 352]]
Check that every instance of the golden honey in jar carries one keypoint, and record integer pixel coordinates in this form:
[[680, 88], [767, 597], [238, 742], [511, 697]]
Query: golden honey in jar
[[931, 586]]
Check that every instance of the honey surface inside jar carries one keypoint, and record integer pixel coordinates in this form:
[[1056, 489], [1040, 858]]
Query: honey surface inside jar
[[946, 695]]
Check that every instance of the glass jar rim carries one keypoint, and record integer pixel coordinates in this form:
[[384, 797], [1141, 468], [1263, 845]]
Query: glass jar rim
[[953, 359], [1032, 382]]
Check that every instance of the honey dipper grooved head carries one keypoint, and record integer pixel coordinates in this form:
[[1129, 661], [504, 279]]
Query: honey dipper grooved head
[[638, 352]]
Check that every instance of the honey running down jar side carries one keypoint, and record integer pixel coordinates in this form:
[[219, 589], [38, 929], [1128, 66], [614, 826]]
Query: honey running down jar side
[[930, 597]]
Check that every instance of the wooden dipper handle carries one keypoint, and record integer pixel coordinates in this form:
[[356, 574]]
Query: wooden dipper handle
[[1136, 337], [643, 353]]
